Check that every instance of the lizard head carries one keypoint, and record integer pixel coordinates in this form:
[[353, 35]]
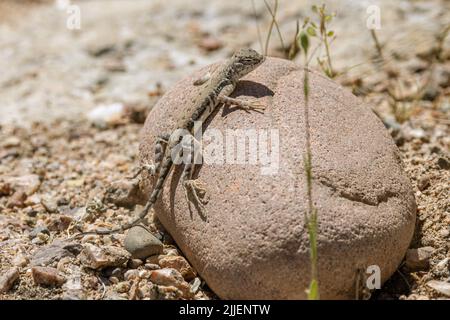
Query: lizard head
[[245, 61]]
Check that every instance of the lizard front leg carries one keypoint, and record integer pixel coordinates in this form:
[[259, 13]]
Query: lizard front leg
[[224, 97], [246, 105]]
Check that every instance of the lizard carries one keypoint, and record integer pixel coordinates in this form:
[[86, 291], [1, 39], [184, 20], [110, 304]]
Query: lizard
[[218, 86]]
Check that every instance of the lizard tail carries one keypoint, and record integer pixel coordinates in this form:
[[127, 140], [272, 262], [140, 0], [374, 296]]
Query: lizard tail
[[151, 201], [164, 172]]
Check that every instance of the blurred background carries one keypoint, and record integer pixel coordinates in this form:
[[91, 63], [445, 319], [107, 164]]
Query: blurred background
[[123, 50]]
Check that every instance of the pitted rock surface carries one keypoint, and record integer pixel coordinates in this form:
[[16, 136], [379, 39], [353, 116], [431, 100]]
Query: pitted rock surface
[[252, 244]]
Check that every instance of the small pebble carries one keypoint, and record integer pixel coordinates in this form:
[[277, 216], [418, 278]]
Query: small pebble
[[168, 278], [52, 253], [435, 149], [49, 205], [195, 285], [20, 261], [178, 263], [10, 142], [445, 233], [134, 291], [88, 238], [37, 230], [153, 259], [113, 295], [116, 272], [171, 252], [144, 274], [46, 276], [443, 163], [147, 290], [443, 264], [62, 201], [122, 287], [29, 184], [59, 222], [131, 274], [135, 263], [107, 241], [17, 199], [104, 116], [98, 258], [418, 259], [440, 286], [423, 183], [414, 133], [141, 243], [61, 266], [39, 240], [74, 295], [73, 289], [114, 280], [151, 266], [431, 92], [7, 279]]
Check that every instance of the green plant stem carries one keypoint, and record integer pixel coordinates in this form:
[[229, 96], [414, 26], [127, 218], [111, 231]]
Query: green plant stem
[[327, 50], [377, 45], [311, 212], [272, 24]]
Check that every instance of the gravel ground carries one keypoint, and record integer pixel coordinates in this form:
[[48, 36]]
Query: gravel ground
[[61, 167]]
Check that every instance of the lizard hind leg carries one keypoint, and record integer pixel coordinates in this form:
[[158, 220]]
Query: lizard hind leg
[[194, 190], [160, 149]]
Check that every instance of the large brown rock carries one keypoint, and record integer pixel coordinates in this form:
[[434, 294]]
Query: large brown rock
[[253, 243]]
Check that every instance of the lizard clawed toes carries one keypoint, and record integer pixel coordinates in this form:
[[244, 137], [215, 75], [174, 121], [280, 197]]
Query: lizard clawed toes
[[257, 106], [197, 190], [252, 106], [150, 168]]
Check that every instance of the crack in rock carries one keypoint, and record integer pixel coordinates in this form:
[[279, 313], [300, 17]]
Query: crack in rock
[[381, 197]]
